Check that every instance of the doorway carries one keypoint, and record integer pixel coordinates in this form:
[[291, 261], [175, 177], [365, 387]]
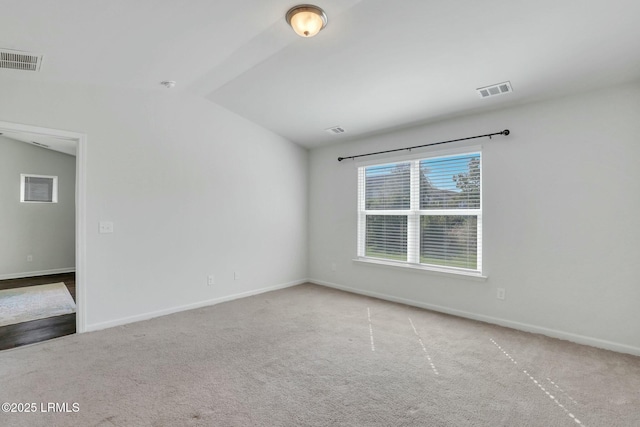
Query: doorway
[[74, 281]]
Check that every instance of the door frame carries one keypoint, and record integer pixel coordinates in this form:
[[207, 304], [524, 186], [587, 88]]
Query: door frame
[[81, 213]]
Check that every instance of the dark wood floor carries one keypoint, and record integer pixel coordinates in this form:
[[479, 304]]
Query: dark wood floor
[[43, 329]]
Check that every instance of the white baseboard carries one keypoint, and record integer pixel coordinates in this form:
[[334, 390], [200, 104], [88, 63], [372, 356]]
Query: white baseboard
[[37, 273], [177, 309], [580, 339]]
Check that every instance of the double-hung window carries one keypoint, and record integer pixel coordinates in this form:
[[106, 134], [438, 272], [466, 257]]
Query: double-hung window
[[425, 213]]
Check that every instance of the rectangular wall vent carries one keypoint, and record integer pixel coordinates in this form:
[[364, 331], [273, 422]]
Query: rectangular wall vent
[[493, 90], [18, 60], [337, 130]]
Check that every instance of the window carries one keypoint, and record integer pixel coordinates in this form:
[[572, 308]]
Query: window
[[38, 188], [424, 213]]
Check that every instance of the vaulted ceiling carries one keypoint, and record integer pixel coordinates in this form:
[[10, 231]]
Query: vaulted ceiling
[[378, 64]]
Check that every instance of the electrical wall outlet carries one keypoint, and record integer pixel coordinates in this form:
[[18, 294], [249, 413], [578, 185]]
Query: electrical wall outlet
[[106, 227], [235, 275], [29, 258], [211, 280], [334, 267], [500, 294]]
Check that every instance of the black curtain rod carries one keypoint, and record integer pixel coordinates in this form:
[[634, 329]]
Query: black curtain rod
[[504, 132]]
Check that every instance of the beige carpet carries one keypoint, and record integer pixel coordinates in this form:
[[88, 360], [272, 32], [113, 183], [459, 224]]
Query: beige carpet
[[312, 356], [34, 302]]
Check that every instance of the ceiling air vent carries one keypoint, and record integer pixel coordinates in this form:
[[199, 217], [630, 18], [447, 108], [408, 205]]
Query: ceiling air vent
[[493, 90], [18, 60], [39, 144], [337, 130]]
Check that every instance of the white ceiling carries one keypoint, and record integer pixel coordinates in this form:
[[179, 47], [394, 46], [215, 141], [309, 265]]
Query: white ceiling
[[378, 65]]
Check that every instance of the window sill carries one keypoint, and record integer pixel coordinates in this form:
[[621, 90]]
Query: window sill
[[434, 270]]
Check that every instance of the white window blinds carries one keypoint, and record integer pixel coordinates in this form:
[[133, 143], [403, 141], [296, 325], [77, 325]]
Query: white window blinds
[[425, 211], [38, 188]]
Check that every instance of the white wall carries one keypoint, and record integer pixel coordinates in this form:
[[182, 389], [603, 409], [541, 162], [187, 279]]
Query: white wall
[[192, 189], [46, 231], [561, 235]]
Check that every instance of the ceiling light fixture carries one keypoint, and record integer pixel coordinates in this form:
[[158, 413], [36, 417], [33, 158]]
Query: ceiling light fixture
[[306, 19], [169, 84]]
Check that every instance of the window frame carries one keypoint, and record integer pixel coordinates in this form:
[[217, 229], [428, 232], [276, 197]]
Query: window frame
[[414, 214], [23, 187]]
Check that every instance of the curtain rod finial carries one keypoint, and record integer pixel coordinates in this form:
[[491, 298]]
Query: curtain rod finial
[[506, 132], [340, 159]]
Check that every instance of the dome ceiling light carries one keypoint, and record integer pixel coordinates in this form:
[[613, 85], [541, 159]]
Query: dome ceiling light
[[306, 19]]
